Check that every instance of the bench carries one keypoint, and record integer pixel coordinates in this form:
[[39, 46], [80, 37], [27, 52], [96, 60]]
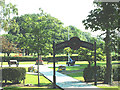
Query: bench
[[13, 62]]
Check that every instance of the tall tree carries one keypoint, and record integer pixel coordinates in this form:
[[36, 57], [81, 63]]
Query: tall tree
[[104, 18], [31, 25]]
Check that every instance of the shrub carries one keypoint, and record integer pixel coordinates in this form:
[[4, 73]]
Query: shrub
[[13, 74], [57, 58], [116, 73], [115, 57], [89, 73], [6, 59]]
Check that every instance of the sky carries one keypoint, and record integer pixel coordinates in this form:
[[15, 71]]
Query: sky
[[70, 12]]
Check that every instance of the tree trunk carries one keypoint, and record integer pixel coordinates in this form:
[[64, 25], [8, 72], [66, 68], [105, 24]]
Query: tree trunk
[[38, 70], [89, 63], [8, 54], [108, 74], [28, 53], [25, 52]]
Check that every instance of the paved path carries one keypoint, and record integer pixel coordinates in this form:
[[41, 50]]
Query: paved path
[[1, 88], [63, 80]]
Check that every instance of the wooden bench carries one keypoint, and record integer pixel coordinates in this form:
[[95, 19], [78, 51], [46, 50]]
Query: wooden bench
[[13, 62]]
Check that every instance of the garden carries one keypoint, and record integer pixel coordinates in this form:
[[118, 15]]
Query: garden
[[77, 71], [34, 40]]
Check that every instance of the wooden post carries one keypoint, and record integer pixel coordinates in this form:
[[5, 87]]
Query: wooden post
[[24, 81], [54, 76], [95, 64]]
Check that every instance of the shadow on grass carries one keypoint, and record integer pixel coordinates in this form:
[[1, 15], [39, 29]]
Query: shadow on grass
[[77, 74], [11, 88], [28, 88]]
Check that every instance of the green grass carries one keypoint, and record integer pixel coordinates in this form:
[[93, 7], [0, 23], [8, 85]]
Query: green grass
[[70, 68], [108, 88], [12, 54], [27, 88], [77, 75], [33, 79], [22, 63]]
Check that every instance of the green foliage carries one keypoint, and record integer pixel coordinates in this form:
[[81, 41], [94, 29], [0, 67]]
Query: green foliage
[[115, 58], [116, 73], [33, 79], [38, 30], [8, 46], [89, 73], [57, 58], [20, 59], [105, 18], [13, 74], [6, 11]]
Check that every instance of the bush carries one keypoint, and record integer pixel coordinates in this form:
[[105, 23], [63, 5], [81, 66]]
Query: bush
[[115, 57], [13, 74], [6, 59], [116, 73], [89, 73], [57, 58]]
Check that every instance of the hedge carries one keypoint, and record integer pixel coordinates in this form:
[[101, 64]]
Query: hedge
[[57, 58], [89, 73], [6, 59], [115, 57], [13, 74], [116, 73]]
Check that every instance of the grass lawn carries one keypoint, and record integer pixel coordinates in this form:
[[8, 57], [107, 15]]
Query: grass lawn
[[109, 88], [33, 79], [28, 88], [70, 68], [77, 75]]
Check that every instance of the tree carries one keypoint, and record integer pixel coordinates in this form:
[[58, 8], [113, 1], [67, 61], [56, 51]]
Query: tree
[[104, 18], [6, 13], [8, 47], [32, 24], [44, 31]]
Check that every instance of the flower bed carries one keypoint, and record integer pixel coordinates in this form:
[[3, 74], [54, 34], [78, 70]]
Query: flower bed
[[40, 62], [61, 68], [32, 69]]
